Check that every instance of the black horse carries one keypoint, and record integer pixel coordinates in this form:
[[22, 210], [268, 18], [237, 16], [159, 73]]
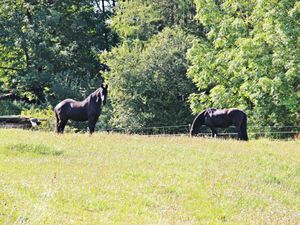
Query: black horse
[[88, 109], [221, 118]]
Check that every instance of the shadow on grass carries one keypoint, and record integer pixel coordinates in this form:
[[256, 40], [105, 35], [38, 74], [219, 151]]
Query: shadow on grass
[[38, 149]]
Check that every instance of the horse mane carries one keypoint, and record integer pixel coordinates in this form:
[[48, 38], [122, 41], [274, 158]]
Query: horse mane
[[97, 91], [93, 94], [202, 113]]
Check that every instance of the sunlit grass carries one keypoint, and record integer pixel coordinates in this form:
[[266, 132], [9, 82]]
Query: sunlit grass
[[120, 179]]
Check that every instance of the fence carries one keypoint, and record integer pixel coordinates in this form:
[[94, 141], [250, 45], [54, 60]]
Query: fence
[[278, 132], [19, 122]]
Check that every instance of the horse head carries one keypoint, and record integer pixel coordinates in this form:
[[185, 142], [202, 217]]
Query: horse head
[[103, 93], [197, 123]]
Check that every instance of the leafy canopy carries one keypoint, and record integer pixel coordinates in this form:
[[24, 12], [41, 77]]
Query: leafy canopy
[[249, 59]]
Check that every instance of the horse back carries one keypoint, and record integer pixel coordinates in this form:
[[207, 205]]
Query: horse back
[[71, 109], [234, 111], [236, 115], [63, 104], [217, 118], [225, 117]]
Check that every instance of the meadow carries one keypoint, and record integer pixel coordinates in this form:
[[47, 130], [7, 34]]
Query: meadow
[[131, 179]]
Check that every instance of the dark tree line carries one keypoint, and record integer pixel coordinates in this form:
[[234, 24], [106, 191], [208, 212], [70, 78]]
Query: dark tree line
[[49, 49]]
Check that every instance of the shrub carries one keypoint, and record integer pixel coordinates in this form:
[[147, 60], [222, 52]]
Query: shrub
[[47, 114], [9, 107]]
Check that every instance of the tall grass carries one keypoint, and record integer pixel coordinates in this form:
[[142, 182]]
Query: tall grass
[[122, 179]]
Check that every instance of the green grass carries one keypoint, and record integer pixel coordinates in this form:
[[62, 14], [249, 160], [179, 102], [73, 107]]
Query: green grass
[[121, 179]]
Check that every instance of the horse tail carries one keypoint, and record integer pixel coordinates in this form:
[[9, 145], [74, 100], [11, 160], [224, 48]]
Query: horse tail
[[244, 128], [57, 121]]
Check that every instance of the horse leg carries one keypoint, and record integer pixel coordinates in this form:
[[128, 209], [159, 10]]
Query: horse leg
[[244, 135], [238, 130], [58, 123], [213, 132], [62, 125], [92, 123], [58, 129]]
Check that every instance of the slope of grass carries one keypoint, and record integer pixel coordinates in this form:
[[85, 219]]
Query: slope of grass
[[120, 179]]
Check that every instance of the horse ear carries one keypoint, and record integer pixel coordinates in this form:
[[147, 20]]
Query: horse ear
[[104, 86]]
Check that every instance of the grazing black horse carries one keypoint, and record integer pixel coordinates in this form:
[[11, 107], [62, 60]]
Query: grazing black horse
[[221, 118], [88, 109]]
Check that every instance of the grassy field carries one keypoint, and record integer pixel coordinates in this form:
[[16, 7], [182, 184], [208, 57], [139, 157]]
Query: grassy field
[[120, 179]]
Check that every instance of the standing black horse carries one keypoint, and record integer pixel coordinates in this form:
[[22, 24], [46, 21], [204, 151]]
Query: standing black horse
[[88, 109], [215, 118]]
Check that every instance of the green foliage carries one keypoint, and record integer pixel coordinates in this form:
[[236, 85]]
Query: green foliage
[[140, 20], [136, 20], [246, 55], [9, 107], [249, 59], [46, 114], [179, 13], [48, 49], [148, 86]]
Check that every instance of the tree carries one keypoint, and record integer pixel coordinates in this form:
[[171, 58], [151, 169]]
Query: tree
[[148, 85], [140, 20], [49, 49], [147, 77], [249, 59]]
